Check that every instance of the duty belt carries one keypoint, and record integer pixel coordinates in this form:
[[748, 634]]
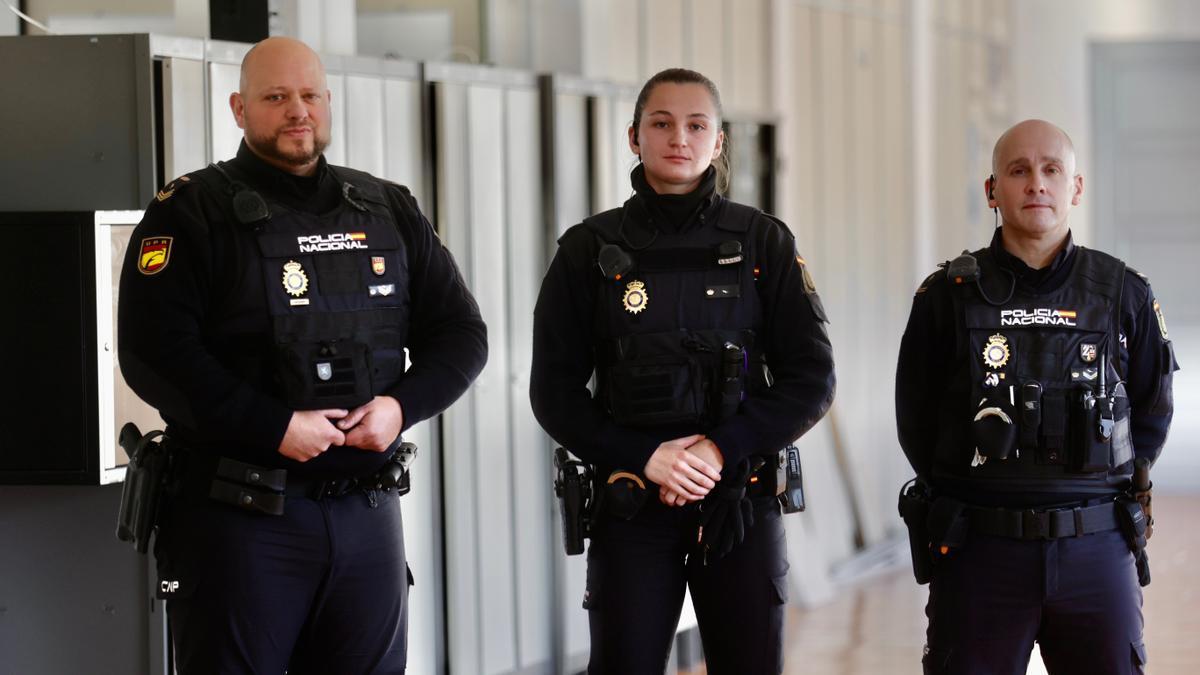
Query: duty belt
[[257, 488], [1033, 525]]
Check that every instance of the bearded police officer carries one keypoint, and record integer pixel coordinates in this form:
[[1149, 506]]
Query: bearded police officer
[[1034, 375], [267, 304]]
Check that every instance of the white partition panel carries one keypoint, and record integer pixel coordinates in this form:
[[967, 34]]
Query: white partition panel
[[571, 171], [185, 142], [336, 152], [364, 124], [492, 458], [420, 508], [224, 134], [533, 504], [498, 502], [403, 157], [462, 551]]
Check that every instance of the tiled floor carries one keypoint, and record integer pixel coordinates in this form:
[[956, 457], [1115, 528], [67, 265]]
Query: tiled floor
[[878, 628]]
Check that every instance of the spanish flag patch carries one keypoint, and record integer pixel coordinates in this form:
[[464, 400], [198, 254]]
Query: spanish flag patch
[[154, 255]]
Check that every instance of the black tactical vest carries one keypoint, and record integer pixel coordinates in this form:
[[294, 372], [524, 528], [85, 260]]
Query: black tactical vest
[[676, 346], [1048, 409], [337, 291]]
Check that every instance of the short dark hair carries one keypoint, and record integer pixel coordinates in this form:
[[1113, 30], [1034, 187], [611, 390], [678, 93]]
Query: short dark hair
[[685, 76]]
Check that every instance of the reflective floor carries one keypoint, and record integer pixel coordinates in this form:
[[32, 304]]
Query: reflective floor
[[878, 628]]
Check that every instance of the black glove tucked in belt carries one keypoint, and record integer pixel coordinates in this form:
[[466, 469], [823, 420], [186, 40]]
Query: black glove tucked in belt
[[727, 512]]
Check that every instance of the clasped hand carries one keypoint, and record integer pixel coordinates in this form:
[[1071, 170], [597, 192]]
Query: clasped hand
[[372, 426], [685, 469]]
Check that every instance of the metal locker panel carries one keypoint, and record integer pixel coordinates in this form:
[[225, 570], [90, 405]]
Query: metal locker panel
[[533, 508], [422, 545], [364, 124], [336, 152], [494, 512], [403, 137], [224, 133], [462, 478], [185, 142], [614, 159], [570, 161]]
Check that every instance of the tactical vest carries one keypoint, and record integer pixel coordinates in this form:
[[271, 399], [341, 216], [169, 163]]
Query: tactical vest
[[676, 346], [1048, 408], [337, 291]]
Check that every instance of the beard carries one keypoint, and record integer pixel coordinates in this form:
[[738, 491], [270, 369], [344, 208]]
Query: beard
[[279, 147]]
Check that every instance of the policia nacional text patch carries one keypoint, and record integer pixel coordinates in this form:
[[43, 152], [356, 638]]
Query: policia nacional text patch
[[154, 254]]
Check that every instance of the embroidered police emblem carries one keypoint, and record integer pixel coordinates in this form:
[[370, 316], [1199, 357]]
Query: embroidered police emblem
[[1162, 321], [995, 352], [324, 371], [295, 281], [635, 298], [377, 265], [1087, 352], [155, 254]]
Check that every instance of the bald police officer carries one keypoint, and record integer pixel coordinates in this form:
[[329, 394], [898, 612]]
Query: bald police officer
[[267, 304], [1033, 373]]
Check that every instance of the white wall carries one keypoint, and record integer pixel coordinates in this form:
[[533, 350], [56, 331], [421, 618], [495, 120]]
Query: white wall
[[1050, 70]]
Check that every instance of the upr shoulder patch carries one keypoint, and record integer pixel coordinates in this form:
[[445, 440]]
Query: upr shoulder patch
[[154, 255]]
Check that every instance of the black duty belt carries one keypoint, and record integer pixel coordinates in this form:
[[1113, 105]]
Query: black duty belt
[[1052, 524], [256, 488]]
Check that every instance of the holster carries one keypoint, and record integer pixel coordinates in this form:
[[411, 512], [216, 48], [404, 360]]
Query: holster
[[574, 489], [1134, 522], [146, 478], [914, 504]]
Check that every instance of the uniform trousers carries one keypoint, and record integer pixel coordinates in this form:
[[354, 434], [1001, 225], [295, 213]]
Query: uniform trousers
[[638, 571], [321, 589], [1078, 597]]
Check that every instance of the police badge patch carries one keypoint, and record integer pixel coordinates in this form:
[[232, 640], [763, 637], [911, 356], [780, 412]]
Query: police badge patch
[[995, 352], [155, 254], [295, 281], [1087, 352], [635, 298], [378, 266]]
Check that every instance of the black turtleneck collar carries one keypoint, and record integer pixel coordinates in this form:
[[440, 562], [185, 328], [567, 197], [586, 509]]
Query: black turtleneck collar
[[673, 213], [317, 193], [1045, 279]]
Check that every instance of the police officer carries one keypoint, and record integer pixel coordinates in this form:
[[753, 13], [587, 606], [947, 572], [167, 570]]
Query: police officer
[[1033, 373], [266, 304], [707, 340]]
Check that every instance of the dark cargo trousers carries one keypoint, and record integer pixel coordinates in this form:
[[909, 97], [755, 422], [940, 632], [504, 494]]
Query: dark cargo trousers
[[638, 571], [1078, 597], [321, 589]]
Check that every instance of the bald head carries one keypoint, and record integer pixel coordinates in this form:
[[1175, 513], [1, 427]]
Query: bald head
[[274, 54], [1046, 137]]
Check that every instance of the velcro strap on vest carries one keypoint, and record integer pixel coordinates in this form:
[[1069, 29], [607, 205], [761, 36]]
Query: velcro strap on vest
[[1034, 525]]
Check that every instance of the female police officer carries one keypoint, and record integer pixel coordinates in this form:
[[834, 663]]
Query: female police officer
[[707, 340]]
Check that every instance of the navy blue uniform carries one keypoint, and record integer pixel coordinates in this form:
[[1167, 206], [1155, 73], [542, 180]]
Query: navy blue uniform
[[638, 567], [214, 319], [1004, 584]]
